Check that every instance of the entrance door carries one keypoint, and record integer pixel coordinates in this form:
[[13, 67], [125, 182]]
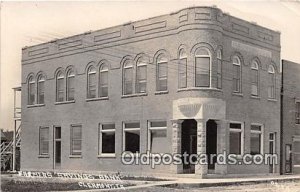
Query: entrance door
[[288, 158], [189, 143], [211, 144], [272, 150], [57, 147]]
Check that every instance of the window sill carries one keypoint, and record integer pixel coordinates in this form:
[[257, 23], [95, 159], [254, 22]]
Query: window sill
[[75, 156], [135, 95], [64, 102], [272, 100], [97, 99], [199, 89], [238, 94], [254, 97], [35, 105], [161, 92], [44, 156], [107, 155]]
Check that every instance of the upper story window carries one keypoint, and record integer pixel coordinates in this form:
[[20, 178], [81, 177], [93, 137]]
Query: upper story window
[[31, 91], [202, 67], [297, 112], [103, 80], [237, 70], [141, 76], [41, 89], [92, 83], [60, 93], [162, 73], [127, 78], [219, 69], [271, 82], [254, 78], [70, 85], [182, 69]]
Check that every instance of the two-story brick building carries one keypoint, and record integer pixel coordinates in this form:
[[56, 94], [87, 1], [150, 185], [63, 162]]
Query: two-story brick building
[[196, 80], [290, 118]]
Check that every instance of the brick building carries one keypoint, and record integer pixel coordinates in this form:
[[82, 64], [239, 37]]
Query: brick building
[[196, 80], [290, 117]]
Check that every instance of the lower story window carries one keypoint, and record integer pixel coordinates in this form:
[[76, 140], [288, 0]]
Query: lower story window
[[157, 137], [44, 141], [256, 140], [131, 137], [236, 139], [107, 139], [76, 139]]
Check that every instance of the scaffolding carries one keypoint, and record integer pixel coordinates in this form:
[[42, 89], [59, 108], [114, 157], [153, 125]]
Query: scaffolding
[[10, 151]]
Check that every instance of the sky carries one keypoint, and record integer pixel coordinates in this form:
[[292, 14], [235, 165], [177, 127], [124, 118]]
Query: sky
[[30, 23]]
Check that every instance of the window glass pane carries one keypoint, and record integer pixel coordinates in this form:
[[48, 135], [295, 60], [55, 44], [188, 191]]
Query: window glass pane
[[162, 70], [41, 89], [182, 73], [255, 143], [108, 142], [104, 84], [256, 127], [108, 126], [132, 125], [71, 88], [202, 72], [158, 124], [44, 140], [235, 143], [158, 141], [128, 84], [202, 52], [141, 78], [76, 140], [132, 141], [60, 89], [235, 126], [92, 86], [31, 93]]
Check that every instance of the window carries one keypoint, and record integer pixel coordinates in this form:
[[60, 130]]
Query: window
[[236, 75], [31, 91], [297, 112], [271, 82], [70, 85], [76, 139], [60, 87], [157, 137], [91, 91], [103, 90], [127, 78], [44, 141], [131, 137], [256, 140], [162, 73], [236, 139], [182, 69], [107, 139], [202, 67], [41, 89], [219, 69], [141, 76], [254, 78]]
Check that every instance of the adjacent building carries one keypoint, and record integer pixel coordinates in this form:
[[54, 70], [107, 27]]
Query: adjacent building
[[197, 80], [290, 115]]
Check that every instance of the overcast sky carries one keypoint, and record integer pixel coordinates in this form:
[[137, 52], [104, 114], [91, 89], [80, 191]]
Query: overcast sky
[[30, 23]]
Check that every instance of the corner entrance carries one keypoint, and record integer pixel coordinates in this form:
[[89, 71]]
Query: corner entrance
[[189, 142], [211, 144]]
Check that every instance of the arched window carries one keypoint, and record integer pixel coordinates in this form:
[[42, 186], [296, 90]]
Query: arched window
[[271, 82], [162, 73], [182, 69], [127, 77], [254, 78], [237, 74], [141, 76], [60, 88], [92, 83], [202, 67], [103, 80], [70, 85], [31, 91], [41, 89], [219, 69]]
